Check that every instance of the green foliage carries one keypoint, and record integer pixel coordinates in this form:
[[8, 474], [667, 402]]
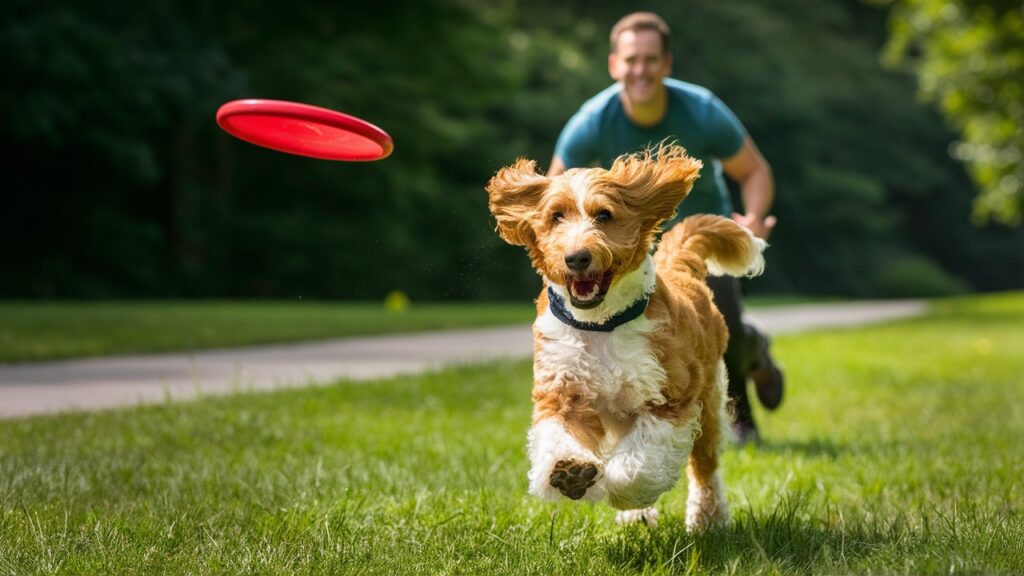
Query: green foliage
[[122, 185], [911, 276], [969, 59], [897, 452]]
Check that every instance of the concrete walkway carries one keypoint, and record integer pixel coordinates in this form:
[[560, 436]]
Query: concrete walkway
[[27, 389]]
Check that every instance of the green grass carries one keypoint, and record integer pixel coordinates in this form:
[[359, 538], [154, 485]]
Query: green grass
[[900, 450], [52, 330], [36, 331]]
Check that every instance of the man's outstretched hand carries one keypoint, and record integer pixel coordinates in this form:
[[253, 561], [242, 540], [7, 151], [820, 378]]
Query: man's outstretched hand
[[760, 228]]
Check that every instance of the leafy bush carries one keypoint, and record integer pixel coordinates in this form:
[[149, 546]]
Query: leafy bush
[[905, 275]]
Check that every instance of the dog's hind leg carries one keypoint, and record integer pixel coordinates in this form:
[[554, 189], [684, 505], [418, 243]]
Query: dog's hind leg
[[648, 516], [563, 445], [705, 503]]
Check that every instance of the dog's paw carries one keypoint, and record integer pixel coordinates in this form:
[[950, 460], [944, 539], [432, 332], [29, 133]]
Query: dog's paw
[[648, 516], [706, 508], [697, 523], [573, 478]]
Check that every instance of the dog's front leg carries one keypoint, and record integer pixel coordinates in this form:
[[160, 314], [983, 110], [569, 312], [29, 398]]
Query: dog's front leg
[[564, 442], [647, 461]]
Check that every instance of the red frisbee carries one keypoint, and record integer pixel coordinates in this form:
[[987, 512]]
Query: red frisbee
[[304, 130]]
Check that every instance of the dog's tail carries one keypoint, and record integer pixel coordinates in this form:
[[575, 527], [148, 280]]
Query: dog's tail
[[706, 244]]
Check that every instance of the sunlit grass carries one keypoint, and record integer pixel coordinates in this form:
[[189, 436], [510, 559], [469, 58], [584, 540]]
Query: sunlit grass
[[34, 331], [51, 330], [898, 450]]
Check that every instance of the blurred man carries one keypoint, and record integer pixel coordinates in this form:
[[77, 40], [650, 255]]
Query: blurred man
[[645, 107]]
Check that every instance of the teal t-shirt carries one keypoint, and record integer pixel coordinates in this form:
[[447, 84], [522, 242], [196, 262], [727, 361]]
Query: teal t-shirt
[[696, 120]]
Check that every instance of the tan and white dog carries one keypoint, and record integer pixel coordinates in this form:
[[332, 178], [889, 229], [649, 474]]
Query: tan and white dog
[[628, 374]]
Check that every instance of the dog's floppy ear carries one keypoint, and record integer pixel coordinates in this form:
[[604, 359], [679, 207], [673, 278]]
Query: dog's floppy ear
[[655, 181], [514, 193]]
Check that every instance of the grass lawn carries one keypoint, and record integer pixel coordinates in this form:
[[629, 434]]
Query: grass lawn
[[52, 330], [34, 331], [900, 450]]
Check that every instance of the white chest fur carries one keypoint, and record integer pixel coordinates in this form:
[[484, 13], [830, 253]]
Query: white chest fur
[[618, 368]]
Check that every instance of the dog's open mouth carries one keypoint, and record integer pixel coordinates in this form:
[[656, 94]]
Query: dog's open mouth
[[589, 292]]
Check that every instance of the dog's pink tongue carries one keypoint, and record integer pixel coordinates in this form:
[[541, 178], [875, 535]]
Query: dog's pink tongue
[[584, 289]]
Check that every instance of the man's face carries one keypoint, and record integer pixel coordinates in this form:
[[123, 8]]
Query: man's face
[[640, 64]]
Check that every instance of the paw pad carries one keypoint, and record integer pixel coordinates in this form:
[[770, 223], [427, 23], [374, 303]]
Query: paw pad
[[573, 478]]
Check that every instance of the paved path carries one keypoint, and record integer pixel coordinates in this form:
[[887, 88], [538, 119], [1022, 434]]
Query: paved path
[[116, 381]]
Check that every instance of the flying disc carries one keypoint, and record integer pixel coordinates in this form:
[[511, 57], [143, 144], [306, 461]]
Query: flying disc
[[304, 130]]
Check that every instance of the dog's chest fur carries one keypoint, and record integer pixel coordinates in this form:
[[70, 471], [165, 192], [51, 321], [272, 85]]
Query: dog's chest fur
[[618, 368]]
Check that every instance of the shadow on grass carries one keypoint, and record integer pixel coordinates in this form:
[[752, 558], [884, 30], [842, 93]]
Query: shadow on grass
[[794, 537], [812, 447]]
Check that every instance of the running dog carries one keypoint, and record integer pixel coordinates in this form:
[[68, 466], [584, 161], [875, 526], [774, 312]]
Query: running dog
[[628, 375]]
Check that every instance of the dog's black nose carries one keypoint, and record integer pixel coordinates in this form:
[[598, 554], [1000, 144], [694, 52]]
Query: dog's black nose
[[579, 260]]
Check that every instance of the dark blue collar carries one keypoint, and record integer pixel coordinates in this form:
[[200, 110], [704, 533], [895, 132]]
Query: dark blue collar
[[557, 306]]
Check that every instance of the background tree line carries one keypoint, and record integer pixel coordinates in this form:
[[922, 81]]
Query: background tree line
[[120, 184]]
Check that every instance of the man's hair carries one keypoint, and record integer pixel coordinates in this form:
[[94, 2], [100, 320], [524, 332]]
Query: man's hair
[[642, 21]]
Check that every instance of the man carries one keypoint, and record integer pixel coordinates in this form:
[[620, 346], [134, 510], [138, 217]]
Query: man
[[645, 107]]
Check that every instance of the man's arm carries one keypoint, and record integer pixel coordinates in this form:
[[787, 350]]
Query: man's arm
[[556, 167], [751, 171]]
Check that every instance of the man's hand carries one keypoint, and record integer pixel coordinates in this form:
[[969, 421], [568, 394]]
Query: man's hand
[[760, 227], [557, 166], [757, 189]]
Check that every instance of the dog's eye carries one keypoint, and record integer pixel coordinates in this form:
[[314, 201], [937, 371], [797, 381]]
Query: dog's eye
[[557, 217], [603, 216]]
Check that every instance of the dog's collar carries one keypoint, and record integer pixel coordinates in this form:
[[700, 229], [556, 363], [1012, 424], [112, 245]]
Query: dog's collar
[[633, 312]]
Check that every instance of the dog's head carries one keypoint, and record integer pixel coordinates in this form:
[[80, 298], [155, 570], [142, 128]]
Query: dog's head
[[587, 227]]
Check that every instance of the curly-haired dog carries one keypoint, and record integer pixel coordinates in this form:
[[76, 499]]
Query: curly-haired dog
[[628, 372]]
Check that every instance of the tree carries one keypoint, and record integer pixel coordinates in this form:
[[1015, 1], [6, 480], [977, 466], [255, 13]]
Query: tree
[[120, 184], [969, 59]]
